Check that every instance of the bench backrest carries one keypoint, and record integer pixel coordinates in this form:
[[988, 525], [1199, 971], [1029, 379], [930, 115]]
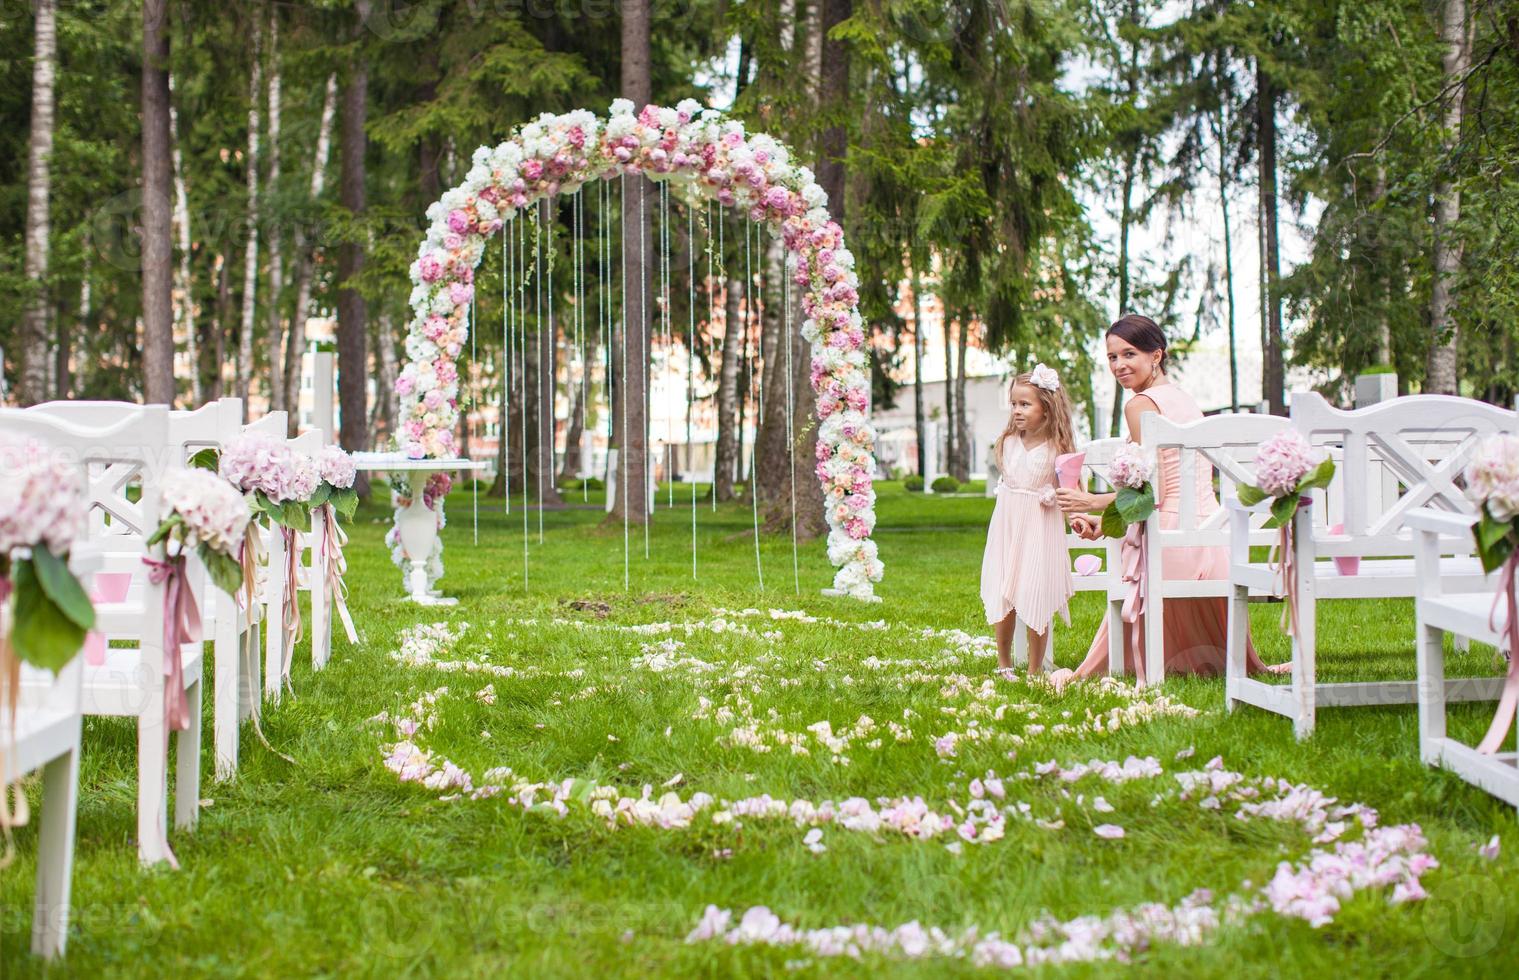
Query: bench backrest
[[1394, 457]]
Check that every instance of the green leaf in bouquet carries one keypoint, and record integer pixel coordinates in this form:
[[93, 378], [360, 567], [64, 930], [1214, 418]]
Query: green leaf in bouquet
[[224, 570], [206, 459], [1282, 509], [164, 529], [1495, 541], [321, 495], [297, 516], [1251, 495], [62, 587], [44, 635], [1112, 522], [1318, 478], [346, 501], [1135, 506]]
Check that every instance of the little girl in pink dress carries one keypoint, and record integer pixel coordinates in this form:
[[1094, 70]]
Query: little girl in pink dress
[[1026, 570]]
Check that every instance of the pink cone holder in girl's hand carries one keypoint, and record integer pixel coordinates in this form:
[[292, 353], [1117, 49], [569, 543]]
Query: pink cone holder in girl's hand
[[1068, 469]]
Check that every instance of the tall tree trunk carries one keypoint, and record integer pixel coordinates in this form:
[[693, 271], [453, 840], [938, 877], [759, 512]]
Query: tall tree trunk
[[35, 332], [184, 284], [950, 429], [569, 466], [1273, 377], [305, 255], [1125, 226], [250, 253], [62, 379], [353, 333], [387, 404], [276, 336], [632, 499], [728, 421], [919, 345], [85, 324], [1440, 376], [962, 427], [1384, 323], [157, 209], [770, 441], [1223, 204]]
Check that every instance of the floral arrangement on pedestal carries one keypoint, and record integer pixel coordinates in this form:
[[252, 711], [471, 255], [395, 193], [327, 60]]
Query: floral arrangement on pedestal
[[702, 155], [434, 490]]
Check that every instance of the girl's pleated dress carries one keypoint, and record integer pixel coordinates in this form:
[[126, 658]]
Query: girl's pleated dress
[[1026, 568]]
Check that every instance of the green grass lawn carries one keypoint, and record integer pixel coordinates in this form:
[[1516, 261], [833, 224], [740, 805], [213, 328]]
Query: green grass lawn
[[334, 866]]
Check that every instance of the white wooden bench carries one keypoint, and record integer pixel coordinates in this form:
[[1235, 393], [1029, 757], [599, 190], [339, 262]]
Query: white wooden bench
[[45, 734], [135, 451], [1221, 445], [1422, 442], [1439, 610]]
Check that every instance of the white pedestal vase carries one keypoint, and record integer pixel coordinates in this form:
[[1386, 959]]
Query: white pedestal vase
[[416, 524]]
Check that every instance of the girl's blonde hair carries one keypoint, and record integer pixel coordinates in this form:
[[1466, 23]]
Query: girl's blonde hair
[[1057, 415]]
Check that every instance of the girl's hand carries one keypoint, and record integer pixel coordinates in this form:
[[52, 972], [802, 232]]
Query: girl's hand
[[1073, 501], [1086, 527]]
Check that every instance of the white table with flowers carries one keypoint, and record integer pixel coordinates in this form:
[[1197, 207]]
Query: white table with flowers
[[414, 540]]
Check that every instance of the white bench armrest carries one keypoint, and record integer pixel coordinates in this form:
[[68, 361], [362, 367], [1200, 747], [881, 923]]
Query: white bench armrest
[[1441, 521]]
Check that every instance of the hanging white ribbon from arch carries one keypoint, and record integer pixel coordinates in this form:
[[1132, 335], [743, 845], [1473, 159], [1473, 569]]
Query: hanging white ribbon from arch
[[701, 155]]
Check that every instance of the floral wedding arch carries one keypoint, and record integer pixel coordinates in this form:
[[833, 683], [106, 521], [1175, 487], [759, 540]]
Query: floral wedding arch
[[703, 156]]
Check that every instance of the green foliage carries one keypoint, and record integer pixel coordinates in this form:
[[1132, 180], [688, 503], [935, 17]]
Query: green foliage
[[913, 484], [945, 484], [52, 612]]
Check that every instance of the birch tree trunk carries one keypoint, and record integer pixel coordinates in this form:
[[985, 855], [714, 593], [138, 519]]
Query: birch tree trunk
[[157, 209], [920, 422], [1125, 225], [183, 283], [35, 333], [950, 429], [250, 253], [353, 361], [962, 426], [305, 254], [220, 319], [276, 336], [770, 442], [1273, 378], [1440, 376]]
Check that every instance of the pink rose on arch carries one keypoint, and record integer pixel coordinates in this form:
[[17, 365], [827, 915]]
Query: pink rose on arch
[[415, 428], [841, 320], [453, 241], [433, 400], [725, 197], [467, 274], [434, 328], [458, 222], [577, 136], [857, 399], [429, 268], [856, 528], [623, 154], [776, 198], [461, 293], [832, 273], [861, 486], [531, 169], [733, 139], [757, 213], [839, 340], [821, 471], [405, 385], [414, 450], [827, 405], [856, 337], [446, 372]]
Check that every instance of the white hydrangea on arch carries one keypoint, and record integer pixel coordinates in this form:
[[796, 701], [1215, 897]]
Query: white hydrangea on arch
[[703, 155]]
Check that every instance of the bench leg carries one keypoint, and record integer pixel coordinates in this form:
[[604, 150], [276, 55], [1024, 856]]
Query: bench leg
[[1116, 627], [1237, 643], [152, 783], [1304, 671], [1431, 660], [225, 695], [187, 764], [55, 853]]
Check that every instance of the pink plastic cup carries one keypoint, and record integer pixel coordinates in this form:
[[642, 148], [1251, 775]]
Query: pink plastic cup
[[108, 587], [1345, 564]]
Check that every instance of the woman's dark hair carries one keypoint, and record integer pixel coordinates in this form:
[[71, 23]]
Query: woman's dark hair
[[1141, 332]]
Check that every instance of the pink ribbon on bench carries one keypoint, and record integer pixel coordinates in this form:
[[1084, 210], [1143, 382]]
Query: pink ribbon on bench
[[1134, 551], [10, 689], [291, 613], [250, 557], [181, 626], [1498, 730], [1285, 561], [334, 567]]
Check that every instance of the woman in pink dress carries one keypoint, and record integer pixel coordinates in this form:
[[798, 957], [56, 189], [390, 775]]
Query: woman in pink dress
[[1026, 569], [1195, 632]]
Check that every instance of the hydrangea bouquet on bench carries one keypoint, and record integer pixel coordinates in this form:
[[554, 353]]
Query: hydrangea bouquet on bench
[[1492, 483], [1287, 470], [1130, 474]]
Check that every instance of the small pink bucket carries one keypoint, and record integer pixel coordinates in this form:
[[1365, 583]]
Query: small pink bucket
[[108, 587], [1345, 564]]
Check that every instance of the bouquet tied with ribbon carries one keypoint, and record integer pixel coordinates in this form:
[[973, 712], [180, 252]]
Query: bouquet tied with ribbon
[[1287, 468], [44, 612], [1130, 474], [1492, 483]]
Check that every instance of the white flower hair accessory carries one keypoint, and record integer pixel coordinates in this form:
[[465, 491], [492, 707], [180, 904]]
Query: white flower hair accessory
[[1044, 376]]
